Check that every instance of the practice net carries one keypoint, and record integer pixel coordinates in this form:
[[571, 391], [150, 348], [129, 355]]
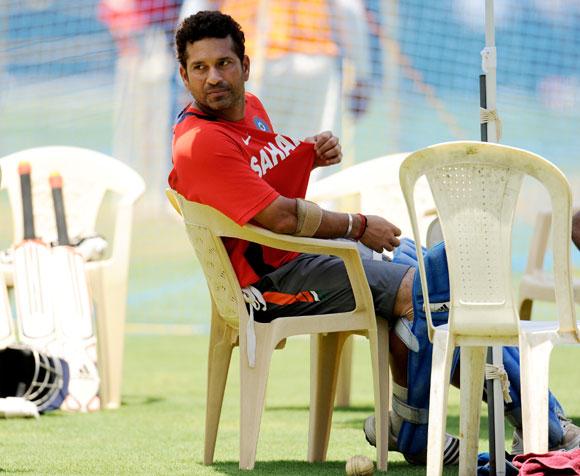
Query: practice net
[[391, 76]]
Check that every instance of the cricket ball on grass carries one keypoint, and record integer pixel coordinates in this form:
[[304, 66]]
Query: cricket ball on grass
[[360, 466]]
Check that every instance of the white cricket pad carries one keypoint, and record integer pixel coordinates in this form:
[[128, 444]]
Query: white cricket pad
[[72, 305], [33, 294], [7, 336]]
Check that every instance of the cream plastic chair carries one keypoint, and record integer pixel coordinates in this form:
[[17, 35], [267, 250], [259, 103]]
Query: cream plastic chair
[[205, 226], [537, 284], [371, 187], [475, 186], [87, 176]]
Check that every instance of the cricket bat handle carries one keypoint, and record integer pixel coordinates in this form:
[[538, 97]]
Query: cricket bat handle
[[61, 228], [26, 194]]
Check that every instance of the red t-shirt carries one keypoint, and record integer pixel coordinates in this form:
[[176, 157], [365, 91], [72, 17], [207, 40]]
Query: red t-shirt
[[239, 168]]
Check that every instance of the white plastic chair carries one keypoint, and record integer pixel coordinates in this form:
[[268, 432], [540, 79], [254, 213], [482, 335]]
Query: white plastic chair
[[87, 176], [371, 187], [475, 186], [537, 284], [229, 327]]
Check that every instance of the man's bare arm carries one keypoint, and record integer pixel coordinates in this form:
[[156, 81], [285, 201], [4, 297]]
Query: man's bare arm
[[281, 217]]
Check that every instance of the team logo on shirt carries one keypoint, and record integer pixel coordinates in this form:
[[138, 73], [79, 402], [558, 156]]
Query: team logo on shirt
[[272, 154], [261, 124]]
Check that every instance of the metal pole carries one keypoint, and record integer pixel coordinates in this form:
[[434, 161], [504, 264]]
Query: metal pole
[[495, 354], [489, 64], [498, 415]]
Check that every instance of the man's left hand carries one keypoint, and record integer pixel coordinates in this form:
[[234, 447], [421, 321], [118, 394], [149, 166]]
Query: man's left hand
[[327, 148]]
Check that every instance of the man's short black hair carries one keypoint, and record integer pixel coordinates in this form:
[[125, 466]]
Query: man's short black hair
[[208, 24]]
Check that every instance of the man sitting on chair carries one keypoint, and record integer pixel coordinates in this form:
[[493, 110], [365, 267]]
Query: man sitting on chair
[[226, 155]]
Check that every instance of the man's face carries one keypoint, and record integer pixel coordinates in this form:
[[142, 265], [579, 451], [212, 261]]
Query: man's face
[[215, 77]]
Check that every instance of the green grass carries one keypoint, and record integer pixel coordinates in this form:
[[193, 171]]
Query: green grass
[[159, 428], [166, 284]]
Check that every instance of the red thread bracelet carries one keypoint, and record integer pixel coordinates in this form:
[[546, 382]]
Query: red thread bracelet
[[363, 227]]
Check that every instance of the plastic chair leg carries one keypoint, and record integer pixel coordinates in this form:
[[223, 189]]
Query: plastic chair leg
[[344, 375], [253, 383], [471, 383], [442, 357], [109, 295], [221, 343], [535, 368], [381, 380], [325, 356]]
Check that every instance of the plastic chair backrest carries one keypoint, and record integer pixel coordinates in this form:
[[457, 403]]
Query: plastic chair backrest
[[475, 186], [87, 176], [205, 226]]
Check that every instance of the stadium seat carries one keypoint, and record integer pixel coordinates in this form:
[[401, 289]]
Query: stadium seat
[[87, 175], [205, 226], [537, 284], [371, 187], [475, 186]]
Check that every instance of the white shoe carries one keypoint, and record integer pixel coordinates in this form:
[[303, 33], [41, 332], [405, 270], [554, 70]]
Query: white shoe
[[570, 440]]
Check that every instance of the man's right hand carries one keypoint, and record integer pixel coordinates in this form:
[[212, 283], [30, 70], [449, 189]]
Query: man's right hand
[[327, 147], [380, 234]]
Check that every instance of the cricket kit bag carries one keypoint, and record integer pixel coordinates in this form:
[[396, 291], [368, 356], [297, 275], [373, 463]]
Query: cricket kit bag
[[412, 438]]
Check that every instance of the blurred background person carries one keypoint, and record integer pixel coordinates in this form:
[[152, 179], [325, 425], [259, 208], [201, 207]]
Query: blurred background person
[[144, 95]]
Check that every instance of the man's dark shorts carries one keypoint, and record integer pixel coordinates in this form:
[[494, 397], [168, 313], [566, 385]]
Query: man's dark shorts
[[318, 284]]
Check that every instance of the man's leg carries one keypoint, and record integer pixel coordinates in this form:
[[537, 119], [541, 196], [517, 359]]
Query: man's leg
[[563, 434], [399, 353], [404, 309], [314, 284], [288, 291], [319, 284]]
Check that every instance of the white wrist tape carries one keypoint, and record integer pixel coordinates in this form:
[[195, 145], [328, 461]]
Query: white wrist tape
[[309, 217]]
